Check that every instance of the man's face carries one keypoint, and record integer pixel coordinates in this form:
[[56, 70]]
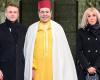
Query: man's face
[[44, 14], [12, 13]]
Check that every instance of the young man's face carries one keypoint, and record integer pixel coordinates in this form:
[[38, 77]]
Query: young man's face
[[44, 14], [12, 13]]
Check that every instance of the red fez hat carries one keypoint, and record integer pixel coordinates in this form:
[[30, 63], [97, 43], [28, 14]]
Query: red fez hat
[[44, 4]]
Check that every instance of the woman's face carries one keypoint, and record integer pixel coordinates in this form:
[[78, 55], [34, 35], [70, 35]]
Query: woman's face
[[91, 18]]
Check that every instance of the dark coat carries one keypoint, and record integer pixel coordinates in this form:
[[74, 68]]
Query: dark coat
[[88, 50], [11, 50]]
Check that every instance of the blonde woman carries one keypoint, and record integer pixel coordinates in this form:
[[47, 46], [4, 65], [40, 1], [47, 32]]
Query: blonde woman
[[88, 44]]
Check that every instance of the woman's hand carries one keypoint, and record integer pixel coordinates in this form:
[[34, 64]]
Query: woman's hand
[[91, 70], [1, 75]]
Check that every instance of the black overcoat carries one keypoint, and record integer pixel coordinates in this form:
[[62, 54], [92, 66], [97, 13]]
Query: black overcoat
[[88, 50], [12, 37]]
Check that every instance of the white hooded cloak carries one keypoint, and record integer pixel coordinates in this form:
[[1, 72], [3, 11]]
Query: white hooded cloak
[[63, 63]]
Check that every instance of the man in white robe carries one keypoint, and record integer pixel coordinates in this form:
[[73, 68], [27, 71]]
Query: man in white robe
[[62, 60]]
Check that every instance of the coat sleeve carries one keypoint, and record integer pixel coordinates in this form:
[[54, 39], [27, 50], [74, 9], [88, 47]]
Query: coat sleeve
[[97, 64], [80, 57]]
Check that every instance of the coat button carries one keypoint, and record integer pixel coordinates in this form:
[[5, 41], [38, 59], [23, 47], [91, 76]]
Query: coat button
[[96, 38], [89, 51], [96, 51], [88, 38], [16, 45]]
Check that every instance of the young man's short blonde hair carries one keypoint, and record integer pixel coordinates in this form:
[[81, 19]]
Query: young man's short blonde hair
[[11, 4], [84, 18]]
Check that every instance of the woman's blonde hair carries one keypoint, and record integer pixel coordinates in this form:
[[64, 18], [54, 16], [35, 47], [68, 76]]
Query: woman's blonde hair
[[84, 18]]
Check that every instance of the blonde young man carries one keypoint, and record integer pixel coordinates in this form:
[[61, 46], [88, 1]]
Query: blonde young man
[[46, 50], [12, 35]]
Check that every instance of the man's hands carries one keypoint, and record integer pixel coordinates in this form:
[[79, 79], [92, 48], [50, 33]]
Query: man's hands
[[33, 73], [1, 75]]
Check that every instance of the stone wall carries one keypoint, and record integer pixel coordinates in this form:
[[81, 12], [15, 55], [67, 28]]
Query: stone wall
[[65, 14]]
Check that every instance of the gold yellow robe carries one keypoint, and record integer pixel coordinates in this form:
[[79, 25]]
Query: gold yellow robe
[[42, 62]]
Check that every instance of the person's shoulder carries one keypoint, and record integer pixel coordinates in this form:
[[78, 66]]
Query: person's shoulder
[[33, 26], [21, 26], [56, 23], [81, 30], [2, 24]]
